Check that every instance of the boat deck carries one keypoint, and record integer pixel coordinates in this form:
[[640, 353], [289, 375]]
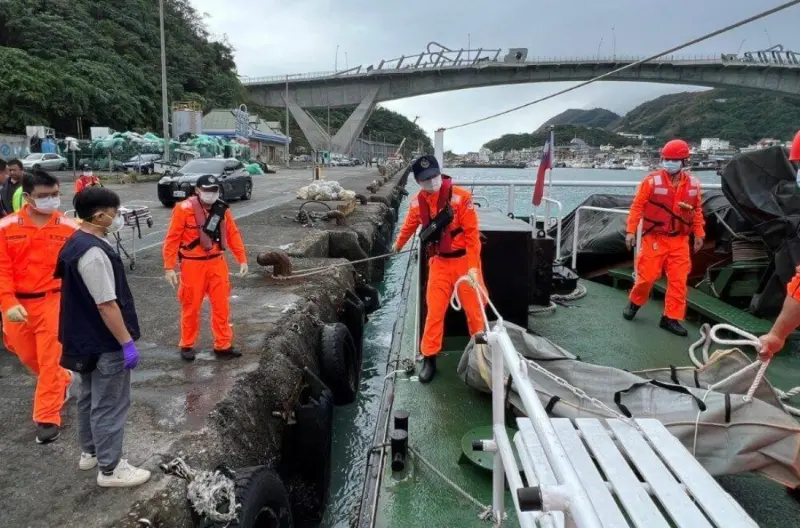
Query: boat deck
[[443, 411]]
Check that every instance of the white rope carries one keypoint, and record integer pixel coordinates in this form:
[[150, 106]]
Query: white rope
[[483, 300], [206, 490], [579, 292], [540, 310], [322, 269]]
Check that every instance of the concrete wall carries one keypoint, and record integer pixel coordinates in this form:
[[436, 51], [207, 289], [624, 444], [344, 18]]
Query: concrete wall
[[399, 84]]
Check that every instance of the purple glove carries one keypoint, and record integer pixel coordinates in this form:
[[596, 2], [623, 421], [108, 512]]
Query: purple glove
[[131, 355]]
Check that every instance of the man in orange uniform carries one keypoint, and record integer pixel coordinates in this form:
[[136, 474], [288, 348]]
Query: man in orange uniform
[[668, 202], [86, 179], [789, 318], [451, 238], [30, 241], [202, 227]]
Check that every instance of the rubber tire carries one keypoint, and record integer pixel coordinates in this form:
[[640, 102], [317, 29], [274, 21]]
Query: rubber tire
[[309, 457], [37, 167], [258, 489], [248, 191], [353, 315], [62, 167], [167, 204], [369, 296], [339, 363]]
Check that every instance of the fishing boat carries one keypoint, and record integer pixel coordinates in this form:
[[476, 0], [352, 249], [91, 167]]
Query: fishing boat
[[537, 421]]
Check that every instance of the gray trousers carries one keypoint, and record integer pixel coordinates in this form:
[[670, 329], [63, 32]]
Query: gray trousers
[[102, 409]]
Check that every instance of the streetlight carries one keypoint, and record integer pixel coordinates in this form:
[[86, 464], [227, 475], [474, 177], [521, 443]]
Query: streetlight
[[614, 44], [346, 63], [336, 60], [164, 108]]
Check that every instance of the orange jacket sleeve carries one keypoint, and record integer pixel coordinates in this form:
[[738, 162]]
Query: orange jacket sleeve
[[698, 223], [468, 219], [8, 296], [79, 185], [637, 207], [410, 224], [172, 240], [793, 288], [234, 238]]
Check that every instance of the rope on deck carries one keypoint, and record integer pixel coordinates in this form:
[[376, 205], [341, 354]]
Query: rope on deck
[[206, 490]]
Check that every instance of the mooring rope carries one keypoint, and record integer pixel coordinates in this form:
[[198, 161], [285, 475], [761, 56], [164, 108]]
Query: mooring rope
[[633, 64]]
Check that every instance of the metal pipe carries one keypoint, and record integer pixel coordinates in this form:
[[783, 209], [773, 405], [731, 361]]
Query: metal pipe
[[558, 224], [566, 183], [438, 146], [498, 418], [287, 122], [511, 191], [417, 309], [580, 506], [526, 519], [164, 102]]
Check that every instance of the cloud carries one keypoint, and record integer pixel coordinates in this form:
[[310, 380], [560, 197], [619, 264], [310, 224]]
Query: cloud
[[276, 37]]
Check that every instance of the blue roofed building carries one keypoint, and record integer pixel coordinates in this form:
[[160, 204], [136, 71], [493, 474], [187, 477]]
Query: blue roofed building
[[264, 138]]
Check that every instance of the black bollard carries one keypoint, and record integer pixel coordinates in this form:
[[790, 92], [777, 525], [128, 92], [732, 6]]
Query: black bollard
[[399, 442], [401, 420]]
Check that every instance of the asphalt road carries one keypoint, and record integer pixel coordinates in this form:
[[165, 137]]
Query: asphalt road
[[268, 190]]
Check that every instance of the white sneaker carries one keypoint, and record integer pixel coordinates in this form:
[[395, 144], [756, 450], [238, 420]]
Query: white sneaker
[[88, 461], [124, 476]]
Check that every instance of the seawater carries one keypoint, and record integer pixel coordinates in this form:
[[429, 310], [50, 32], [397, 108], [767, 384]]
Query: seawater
[[354, 425]]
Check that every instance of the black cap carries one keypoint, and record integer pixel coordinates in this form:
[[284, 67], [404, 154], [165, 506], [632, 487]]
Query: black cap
[[208, 182], [426, 168]]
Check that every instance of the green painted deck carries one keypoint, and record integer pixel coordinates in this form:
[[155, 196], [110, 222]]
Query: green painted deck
[[441, 412], [708, 306]]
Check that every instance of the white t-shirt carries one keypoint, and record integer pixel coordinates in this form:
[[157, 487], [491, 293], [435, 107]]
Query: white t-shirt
[[98, 275]]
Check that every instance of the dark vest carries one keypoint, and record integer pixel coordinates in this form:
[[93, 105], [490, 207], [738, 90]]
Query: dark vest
[[81, 330]]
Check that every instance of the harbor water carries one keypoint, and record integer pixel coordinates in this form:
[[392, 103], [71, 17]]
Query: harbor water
[[354, 425]]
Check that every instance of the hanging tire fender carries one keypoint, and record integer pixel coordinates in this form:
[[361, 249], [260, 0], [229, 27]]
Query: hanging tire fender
[[339, 363], [262, 498], [369, 296]]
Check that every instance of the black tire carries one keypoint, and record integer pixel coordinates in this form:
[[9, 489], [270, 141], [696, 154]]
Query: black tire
[[248, 191], [37, 167], [338, 363], [353, 315], [369, 296], [62, 167], [166, 203], [263, 499]]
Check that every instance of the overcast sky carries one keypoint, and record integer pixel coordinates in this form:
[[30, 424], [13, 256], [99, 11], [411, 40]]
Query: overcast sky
[[274, 37]]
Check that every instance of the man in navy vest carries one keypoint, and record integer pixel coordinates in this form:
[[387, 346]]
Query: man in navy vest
[[98, 327]]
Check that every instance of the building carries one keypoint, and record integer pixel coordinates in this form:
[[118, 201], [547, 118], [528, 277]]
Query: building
[[263, 140], [712, 144], [484, 154]]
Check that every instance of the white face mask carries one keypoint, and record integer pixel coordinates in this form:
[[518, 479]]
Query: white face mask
[[47, 205], [432, 185], [672, 166], [209, 197], [116, 224]]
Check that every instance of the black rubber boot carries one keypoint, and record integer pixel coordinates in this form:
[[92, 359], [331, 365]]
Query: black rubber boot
[[428, 369], [228, 353], [47, 433], [672, 326], [630, 311], [187, 353]]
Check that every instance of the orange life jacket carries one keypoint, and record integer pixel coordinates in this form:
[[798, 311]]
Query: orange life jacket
[[660, 214], [444, 246]]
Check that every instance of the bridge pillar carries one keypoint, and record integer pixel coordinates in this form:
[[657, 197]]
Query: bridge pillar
[[438, 146], [318, 139], [344, 138]]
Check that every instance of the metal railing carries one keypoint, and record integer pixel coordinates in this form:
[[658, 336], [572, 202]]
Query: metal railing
[[569, 494], [560, 207]]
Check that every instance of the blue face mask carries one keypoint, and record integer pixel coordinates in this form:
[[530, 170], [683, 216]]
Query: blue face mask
[[672, 166]]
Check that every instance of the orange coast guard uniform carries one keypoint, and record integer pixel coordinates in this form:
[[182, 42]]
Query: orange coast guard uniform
[[670, 213], [28, 257], [203, 268], [84, 181], [458, 250]]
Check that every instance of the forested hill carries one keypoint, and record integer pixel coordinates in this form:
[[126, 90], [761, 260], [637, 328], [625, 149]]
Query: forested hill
[[100, 61], [564, 134], [596, 117]]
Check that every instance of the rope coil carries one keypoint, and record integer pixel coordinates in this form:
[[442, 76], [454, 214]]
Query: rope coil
[[206, 490]]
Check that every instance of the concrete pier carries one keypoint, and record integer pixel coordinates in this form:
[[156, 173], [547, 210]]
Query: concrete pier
[[209, 411]]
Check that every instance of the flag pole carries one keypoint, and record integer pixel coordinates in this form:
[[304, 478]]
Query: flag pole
[[552, 146]]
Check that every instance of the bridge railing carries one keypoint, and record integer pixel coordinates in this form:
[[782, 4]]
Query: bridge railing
[[415, 63]]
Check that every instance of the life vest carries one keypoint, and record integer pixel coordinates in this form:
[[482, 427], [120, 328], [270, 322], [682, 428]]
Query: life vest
[[204, 240], [16, 199], [444, 246], [659, 215]]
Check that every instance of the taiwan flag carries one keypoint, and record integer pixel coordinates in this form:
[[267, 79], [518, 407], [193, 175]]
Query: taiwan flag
[[545, 163]]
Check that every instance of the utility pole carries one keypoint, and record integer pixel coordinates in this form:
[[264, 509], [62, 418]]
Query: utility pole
[[286, 100], [614, 43], [164, 107], [336, 60]]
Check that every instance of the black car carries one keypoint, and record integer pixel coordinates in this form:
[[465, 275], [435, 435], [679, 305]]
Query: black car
[[142, 163], [236, 182]]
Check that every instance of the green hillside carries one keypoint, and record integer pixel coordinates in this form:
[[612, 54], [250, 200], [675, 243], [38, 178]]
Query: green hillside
[[101, 62], [564, 134], [738, 115], [595, 118]]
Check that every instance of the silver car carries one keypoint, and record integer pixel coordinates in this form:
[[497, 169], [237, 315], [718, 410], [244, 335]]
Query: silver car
[[44, 161]]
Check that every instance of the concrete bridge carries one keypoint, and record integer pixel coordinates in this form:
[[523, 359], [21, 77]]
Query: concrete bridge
[[440, 69]]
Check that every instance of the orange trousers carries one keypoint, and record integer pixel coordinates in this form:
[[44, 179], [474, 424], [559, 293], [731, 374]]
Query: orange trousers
[[198, 279], [442, 276], [662, 253], [36, 345]]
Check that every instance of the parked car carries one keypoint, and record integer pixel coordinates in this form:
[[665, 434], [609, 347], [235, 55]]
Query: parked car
[[44, 161], [236, 182], [142, 163]]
